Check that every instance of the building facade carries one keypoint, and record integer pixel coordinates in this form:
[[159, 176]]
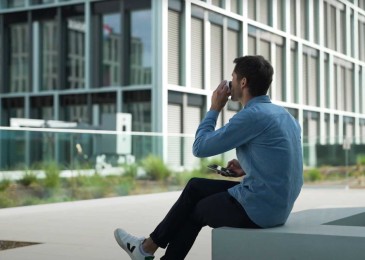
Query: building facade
[[159, 61]]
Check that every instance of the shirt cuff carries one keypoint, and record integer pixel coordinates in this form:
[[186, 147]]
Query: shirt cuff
[[212, 114]]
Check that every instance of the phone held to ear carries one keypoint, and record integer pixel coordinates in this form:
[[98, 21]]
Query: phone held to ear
[[221, 170]]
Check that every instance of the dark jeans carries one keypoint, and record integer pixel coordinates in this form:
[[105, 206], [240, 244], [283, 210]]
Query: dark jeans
[[203, 202]]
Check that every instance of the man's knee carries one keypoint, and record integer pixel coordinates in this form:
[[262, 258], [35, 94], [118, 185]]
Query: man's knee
[[194, 183]]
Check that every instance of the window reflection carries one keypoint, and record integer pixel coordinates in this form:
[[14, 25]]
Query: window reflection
[[14, 3], [75, 69], [111, 55], [138, 104], [140, 47], [74, 108], [42, 107], [38, 2], [49, 55], [19, 58], [197, 47]]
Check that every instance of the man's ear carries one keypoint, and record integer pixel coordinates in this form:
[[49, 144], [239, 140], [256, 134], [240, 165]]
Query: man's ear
[[243, 82]]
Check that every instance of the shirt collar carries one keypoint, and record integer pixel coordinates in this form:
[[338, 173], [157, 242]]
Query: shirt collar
[[258, 99]]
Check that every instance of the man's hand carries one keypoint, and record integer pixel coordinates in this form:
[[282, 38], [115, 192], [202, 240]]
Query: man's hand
[[220, 96], [234, 166]]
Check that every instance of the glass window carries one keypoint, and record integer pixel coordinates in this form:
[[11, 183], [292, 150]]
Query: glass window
[[310, 76], [339, 79], [74, 108], [327, 92], [327, 125], [251, 12], [107, 31], [12, 108], [348, 127], [264, 49], [280, 16], [138, 103], [218, 3], [294, 73], [174, 47], [361, 37], [49, 55], [260, 42], [310, 135], [14, 3], [351, 35], [174, 122], [361, 90], [42, 108], [141, 47], [349, 90], [293, 16], [362, 130], [111, 37], [260, 11], [75, 56], [192, 115], [342, 32], [102, 103], [344, 89], [362, 4], [337, 130], [265, 8], [316, 20], [304, 19], [216, 54], [19, 58], [279, 72], [38, 2], [235, 6], [329, 25], [251, 45], [197, 53], [233, 50]]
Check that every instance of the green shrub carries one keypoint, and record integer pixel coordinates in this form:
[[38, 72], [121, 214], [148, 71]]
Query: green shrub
[[52, 175], [130, 170], [182, 178], [125, 186], [6, 202], [155, 168], [313, 175], [361, 159], [28, 178], [90, 181], [4, 184]]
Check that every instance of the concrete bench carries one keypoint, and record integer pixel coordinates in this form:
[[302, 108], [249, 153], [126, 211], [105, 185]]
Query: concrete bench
[[331, 233]]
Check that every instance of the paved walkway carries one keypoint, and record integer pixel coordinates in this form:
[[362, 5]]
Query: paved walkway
[[84, 229]]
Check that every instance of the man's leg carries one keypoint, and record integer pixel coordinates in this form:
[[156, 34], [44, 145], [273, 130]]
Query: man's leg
[[177, 218], [196, 190], [217, 210]]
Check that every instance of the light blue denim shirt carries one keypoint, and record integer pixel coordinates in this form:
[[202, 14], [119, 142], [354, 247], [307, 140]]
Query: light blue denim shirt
[[268, 146]]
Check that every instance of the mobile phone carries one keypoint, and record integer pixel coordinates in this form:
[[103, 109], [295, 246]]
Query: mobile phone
[[221, 170]]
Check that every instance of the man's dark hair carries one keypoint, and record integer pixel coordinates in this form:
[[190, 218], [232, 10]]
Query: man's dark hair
[[257, 71]]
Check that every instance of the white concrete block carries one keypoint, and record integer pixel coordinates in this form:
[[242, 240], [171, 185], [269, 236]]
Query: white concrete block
[[331, 233]]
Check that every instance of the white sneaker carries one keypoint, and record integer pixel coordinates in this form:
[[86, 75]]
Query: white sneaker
[[130, 244]]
